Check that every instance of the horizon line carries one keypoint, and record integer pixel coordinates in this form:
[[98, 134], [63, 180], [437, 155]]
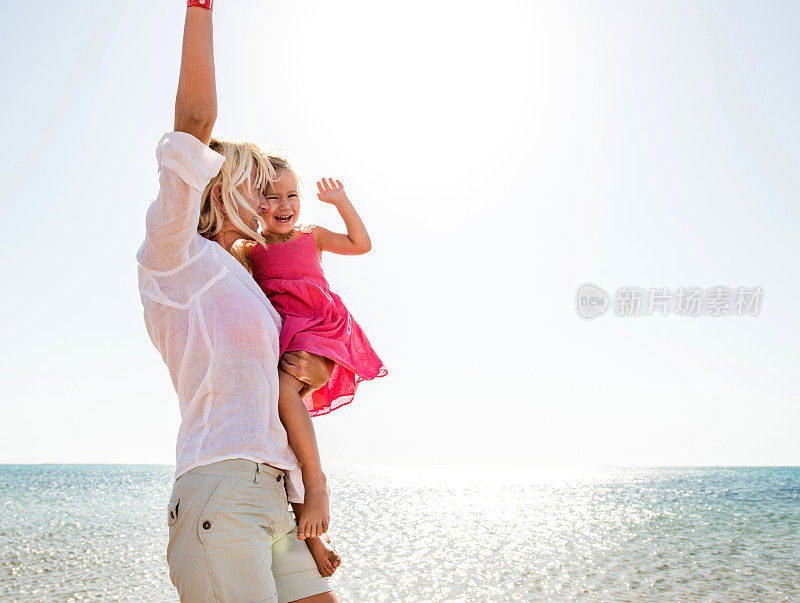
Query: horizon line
[[529, 465]]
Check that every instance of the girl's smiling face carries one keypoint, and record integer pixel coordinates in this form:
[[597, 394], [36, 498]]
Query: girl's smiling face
[[283, 199]]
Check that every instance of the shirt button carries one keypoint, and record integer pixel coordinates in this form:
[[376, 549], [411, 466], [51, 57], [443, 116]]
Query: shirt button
[[206, 525], [278, 478]]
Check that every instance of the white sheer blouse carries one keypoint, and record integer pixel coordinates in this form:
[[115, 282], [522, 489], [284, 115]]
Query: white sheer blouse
[[215, 329]]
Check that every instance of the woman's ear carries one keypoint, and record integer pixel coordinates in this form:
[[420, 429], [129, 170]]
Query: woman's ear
[[216, 196]]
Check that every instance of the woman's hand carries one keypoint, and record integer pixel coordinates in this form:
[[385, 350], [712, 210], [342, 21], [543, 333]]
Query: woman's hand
[[311, 369], [331, 191]]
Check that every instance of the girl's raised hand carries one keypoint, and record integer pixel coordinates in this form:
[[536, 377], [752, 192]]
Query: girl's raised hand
[[331, 191]]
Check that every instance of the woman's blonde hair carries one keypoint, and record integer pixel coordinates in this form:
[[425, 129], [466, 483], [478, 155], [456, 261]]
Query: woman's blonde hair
[[243, 161]]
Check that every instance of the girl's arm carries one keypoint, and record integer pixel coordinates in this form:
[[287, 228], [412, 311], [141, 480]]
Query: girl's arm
[[196, 102], [356, 241]]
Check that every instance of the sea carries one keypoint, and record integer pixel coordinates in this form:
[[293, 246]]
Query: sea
[[437, 533]]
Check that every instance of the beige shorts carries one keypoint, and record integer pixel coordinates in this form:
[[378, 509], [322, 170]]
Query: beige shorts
[[232, 537]]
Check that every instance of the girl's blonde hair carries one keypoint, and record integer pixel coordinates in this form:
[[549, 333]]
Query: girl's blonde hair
[[279, 163], [242, 248], [243, 161], [282, 161]]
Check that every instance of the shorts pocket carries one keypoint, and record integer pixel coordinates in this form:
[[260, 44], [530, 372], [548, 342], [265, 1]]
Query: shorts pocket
[[286, 518], [172, 510], [222, 499]]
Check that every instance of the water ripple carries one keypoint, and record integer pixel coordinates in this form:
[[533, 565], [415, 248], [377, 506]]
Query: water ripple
[[77, 532]]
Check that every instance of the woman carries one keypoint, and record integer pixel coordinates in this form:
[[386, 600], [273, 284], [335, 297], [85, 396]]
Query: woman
[[231, 534]]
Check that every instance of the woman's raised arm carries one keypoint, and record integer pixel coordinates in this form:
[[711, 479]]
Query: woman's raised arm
[[185, 162], [196, 103]]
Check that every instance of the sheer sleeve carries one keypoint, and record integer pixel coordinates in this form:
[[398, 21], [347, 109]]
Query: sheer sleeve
[[294, 486], [185, 166], [295, 492]]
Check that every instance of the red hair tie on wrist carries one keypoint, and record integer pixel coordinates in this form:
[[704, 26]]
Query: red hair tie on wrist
[[209, 4]]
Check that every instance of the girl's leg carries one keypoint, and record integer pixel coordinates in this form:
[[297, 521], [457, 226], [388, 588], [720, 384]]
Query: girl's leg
[[325, 556], [305, 390], [295, 418]]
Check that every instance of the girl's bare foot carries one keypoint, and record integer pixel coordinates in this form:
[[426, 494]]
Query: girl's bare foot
[[316, 515], [324, 554]]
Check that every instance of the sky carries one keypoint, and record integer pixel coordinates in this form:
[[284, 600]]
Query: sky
[[500, 155]]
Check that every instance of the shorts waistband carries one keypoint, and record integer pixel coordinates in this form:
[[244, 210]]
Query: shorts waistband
[[258, 472]]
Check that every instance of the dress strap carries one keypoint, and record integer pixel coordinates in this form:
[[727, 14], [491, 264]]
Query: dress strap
[[305, 228]]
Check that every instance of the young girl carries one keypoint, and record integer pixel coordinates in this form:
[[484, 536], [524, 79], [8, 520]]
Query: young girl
[[314, 319]]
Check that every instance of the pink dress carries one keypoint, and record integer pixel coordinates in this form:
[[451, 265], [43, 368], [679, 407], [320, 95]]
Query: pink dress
[[314, 318]]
